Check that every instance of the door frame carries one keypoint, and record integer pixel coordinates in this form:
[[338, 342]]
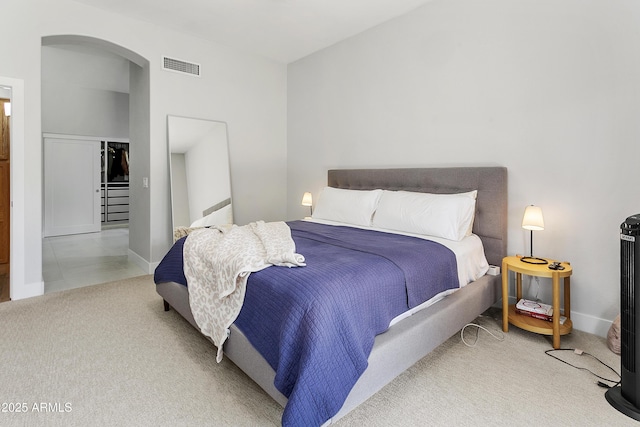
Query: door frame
[[5, 195], [17, 215]]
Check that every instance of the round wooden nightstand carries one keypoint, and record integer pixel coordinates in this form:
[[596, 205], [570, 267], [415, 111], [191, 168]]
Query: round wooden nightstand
[[539, 326]]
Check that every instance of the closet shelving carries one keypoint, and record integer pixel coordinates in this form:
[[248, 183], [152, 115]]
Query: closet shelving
[[115, 182]]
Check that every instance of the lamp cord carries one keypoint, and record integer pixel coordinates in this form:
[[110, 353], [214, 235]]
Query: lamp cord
[[580, 352], [496, 336]]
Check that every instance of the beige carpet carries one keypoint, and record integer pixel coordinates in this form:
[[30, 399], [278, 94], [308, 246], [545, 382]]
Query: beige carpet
[[108, 355]]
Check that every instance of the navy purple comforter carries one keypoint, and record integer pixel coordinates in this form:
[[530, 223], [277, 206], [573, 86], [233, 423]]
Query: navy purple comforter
[[316, 325]]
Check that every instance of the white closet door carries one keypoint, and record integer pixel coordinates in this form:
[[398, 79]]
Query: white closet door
[[72, 186]]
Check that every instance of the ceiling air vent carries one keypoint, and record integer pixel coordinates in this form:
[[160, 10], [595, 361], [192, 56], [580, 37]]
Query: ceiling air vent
[[180, 66]]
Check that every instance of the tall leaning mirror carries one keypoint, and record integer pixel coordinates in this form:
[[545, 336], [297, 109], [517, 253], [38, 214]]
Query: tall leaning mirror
[[199, 171]]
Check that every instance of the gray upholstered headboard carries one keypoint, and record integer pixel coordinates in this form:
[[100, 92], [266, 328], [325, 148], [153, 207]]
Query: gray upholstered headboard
[[490, 223]]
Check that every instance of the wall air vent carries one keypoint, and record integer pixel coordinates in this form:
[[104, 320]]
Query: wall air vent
[[180, 66]]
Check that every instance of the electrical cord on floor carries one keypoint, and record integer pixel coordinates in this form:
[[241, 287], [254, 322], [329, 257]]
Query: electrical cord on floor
[[581, 353], [498, 337]]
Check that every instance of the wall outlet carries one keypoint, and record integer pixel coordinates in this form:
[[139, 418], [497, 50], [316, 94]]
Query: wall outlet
[[145, 182]]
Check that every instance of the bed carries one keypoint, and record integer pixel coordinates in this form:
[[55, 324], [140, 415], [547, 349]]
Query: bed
[[414, 336]]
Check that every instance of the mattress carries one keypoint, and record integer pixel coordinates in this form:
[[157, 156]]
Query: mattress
[[469, 252], [470, 258]]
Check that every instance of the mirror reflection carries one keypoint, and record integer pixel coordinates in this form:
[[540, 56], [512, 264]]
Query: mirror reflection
[[199, 171]]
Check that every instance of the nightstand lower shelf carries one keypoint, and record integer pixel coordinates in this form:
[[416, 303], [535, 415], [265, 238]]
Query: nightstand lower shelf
[[538, 326]]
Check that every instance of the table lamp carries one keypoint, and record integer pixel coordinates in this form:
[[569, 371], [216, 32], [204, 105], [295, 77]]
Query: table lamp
[[307, 200], [533, 220]]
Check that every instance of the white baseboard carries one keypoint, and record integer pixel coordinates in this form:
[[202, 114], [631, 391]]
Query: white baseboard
[[153, 266], [148, 267], [593, 325], [27, 290]]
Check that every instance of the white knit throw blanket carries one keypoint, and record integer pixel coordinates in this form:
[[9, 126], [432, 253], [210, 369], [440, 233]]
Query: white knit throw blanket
[[217, 264]]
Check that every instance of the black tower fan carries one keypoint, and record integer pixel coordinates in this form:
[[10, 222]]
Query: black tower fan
[[626, 397]]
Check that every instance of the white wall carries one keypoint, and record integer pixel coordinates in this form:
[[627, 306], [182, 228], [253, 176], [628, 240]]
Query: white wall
[[71, 110], [548, 88], [245, 91], [84, 92]]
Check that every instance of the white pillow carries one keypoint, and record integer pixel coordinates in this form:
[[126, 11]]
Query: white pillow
[[474, 195], [354, 207], [449, 216], [222, 216]]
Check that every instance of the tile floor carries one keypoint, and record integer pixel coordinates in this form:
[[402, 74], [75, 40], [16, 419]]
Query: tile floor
[[87, 259]]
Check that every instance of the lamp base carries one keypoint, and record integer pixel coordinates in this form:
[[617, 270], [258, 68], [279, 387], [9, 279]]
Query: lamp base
[[534, 260]]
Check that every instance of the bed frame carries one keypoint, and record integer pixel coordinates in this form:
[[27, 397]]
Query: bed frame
[[408, 341]]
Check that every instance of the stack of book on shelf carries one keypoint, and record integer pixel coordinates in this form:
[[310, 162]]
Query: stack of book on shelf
[[537, 310]]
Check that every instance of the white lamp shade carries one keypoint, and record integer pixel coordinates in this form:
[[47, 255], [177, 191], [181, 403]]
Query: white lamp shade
[[307, 199], [533, 219], [7, 109]]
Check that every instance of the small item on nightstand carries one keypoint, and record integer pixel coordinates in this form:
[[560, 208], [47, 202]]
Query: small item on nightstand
[[534, 307], [537, 310], [555, 266]]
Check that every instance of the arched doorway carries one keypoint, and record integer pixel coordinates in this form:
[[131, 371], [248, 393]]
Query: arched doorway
[[137, 66]]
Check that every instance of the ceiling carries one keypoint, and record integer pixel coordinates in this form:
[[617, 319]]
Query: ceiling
[[283, 30]]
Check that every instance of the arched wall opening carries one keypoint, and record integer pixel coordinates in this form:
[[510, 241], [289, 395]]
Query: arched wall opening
[[139, 136]]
